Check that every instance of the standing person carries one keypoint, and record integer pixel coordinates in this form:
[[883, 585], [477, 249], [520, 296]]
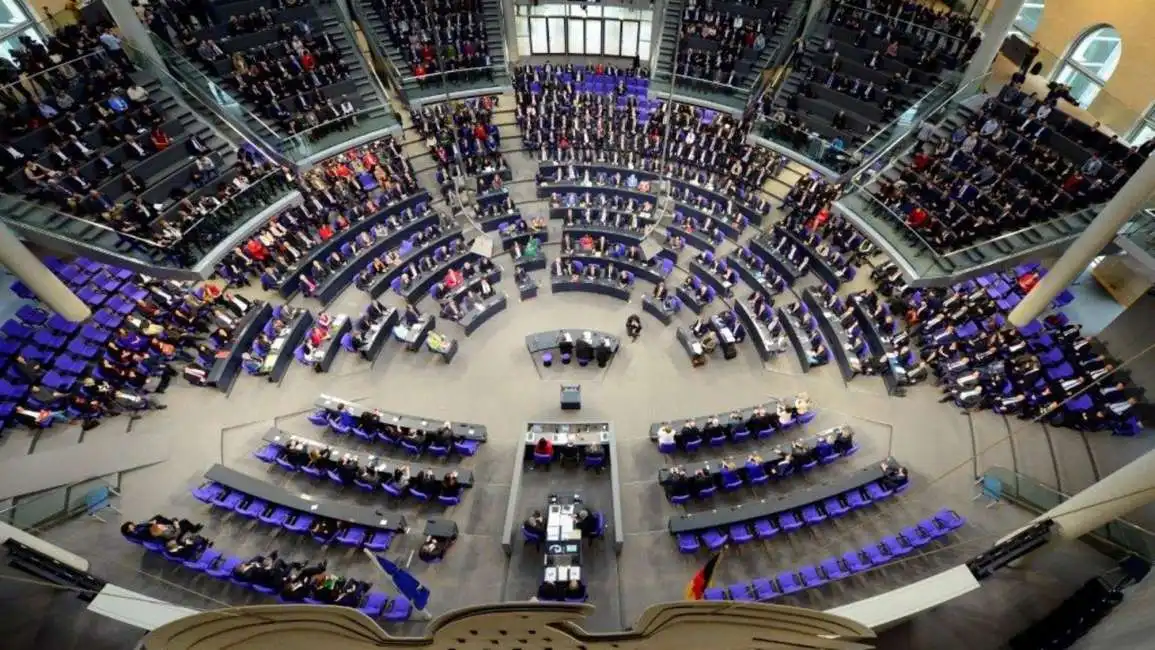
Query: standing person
[[633, 326]]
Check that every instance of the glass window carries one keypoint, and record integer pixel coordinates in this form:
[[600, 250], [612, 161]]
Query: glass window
[[557, 35], [12, 43], [523, 28], [594, 37], [629, 38], [523, 46], [614, 12], [1090, 62], [1144, 128], [644, 52], [12, 15], [1029, 16], [539, 36], [577, 36], [613, 46], [521, 10], [549, 10]]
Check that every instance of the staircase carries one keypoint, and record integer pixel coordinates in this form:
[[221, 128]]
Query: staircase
[[368, 98], [745, 80], [373, 25]]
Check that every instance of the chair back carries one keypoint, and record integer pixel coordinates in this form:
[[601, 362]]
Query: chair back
[[97, 499]]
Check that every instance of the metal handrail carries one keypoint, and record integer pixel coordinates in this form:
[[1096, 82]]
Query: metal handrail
[[362, 19], [865, 194], [898, 118], [71, 217], [779, 62], [301, 134], [895, 18], [31, 78], [162, 68], [977, 81], [1014, 233], [504, 40], [196, 224], [344, 20]]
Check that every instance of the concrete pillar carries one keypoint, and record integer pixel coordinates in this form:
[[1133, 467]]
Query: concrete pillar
[[32, 272], [509, 12], [994, 33], [131, 29], [1079, 254], [1127, 488], [812, 14]]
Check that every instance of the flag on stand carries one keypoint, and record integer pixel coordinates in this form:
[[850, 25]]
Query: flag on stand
[[417, 593], [696, 589]]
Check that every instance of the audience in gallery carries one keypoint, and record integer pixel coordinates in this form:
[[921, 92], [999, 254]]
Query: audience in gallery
[[181, 538], [441, 36], [294, 70], [1012, 165], [375, 471], [736, 38], [704, 147], [1054, 373], [338, 193], [98, 129]]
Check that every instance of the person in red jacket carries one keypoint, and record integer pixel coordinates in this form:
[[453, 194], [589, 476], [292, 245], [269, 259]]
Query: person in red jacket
[[544, 447], [918, 217]]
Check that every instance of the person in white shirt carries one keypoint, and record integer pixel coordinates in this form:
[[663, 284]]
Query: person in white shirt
[[666, 435]]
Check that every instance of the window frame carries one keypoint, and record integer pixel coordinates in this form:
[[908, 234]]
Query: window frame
[[1068, 61]]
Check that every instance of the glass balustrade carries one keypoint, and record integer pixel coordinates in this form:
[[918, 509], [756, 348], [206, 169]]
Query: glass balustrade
[[175, 248], [1116, 538], [328, 135]]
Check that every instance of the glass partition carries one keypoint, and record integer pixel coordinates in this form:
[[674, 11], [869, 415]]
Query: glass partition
[[31, 511], [179, 251], [207, 91], [1115, 539], [327, 135], [831, 154]]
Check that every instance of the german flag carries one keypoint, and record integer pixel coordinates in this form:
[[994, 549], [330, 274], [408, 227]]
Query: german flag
[[696, 589]]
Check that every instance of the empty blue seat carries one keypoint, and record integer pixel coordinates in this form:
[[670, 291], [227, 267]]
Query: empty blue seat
[[225, 568], [298, 522], [896, 546], [253, 509], [833, 570], [765, 529], [206, 559], [877, 492], [715, 593], [856, 561], [714, 539], [764, 589], [949, 519], [276, 517], [834, 507], [740, 533], [915, 536], [787, 583], [789, 521], [740, 591], [378, 540], [352, 536], [810, 577], [228, 500], [876, 553], [811, 515]]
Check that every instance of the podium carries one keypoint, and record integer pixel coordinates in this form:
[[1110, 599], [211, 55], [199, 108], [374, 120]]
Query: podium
[[571, 397]]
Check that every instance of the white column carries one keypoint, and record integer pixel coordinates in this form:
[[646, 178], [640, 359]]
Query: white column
[[44, 283], [509, 11], [131, 29], [994, 33], [1127, 488], [1079, 254]]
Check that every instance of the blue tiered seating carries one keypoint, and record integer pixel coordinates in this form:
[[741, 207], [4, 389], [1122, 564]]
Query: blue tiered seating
[[836, 568], [213, 563], [67, 351]]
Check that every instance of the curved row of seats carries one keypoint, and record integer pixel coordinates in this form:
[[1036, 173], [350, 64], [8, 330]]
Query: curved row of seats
[[767, 527], [294, 521], [274, 454], [739, 434], [216, 564], [344, 423], [838, 567], [752, 474]]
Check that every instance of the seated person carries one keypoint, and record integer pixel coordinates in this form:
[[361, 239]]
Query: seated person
[[299, 583], [587, 523], [324, 528], [259, 569], [843, 440], [535, 523], [433, 549], [331, 589], [893, 477], [549, 591], [575, 590]]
